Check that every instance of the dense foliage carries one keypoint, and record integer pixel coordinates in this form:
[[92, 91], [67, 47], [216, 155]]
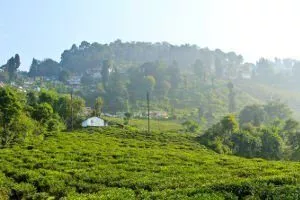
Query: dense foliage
[[265, 131], [124, 164], [26, 116], [184, 77]]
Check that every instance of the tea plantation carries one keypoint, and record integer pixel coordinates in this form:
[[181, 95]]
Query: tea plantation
[[114, 163]]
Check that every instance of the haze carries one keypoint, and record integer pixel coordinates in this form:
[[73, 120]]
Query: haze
[[252, 28]]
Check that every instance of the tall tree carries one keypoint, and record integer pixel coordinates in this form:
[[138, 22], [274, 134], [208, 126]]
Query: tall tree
[[98, 106], [264, 69], [127, 117], [9, 110], [201, 70], [174, 73], [11, 67], [116, 96], [229, 123], [33, 71], [254, 114]]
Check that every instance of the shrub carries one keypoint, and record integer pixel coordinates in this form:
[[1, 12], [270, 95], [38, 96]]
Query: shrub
[[191, 126]]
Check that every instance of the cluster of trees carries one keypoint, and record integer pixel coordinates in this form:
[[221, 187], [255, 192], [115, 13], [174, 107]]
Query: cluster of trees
[[125, 90], [46, 68], [176, 76], [181, 77], [122, 72], [123, 53], [10, 68], [32, 115], [168, 86], [205, 63], [79, 59], [277, 71], [266, 131]]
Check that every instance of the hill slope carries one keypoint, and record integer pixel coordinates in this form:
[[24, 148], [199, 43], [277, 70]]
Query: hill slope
[[123, 164], [264, 92]]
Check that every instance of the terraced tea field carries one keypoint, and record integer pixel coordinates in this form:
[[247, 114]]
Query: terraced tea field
[[116, 163]]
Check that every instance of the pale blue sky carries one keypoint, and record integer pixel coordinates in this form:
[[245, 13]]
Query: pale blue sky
[[254, 28]]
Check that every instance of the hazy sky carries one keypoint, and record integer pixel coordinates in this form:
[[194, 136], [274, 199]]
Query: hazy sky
[[253, 28]]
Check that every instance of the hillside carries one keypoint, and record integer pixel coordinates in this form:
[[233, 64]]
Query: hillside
[[122, 164], [264, 92]]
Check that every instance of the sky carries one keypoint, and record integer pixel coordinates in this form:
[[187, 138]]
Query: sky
[[253, 28]]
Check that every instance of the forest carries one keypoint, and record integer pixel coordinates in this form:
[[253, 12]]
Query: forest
[[220, 114]]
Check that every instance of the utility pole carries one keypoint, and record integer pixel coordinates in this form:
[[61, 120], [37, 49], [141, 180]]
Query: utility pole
[[72, 108], [148, 107]]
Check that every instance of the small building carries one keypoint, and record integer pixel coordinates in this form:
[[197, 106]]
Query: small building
[[93, 122]]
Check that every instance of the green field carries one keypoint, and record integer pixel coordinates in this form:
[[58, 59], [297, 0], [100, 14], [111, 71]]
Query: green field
[[116, 163], [155, 124]]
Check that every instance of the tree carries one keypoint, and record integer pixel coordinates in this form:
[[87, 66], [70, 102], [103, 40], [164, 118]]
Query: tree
[[191, 126], [149, 83], [291, 125], [47, 68], [254, 114], [43, 112], [233, 63], [11, 67], [33, 71], [98, 106], [219, 68], [164, 88], [116, 96], [9, 110], [264, 69], [149, 69], [276, 109], [127, 117], [31, 99], [229, 123], [139, 84], [272, 145], [49, 97], [87, 79], [291, 134], [17, 61], [64, 76], [84, 44], [174, 73], [63, 107], [201, 70], [246, 144]]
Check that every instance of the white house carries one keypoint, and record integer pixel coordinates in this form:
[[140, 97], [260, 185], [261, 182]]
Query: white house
[[93, 122]]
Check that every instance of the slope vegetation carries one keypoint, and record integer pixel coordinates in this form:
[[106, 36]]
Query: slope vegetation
[[116, 163]]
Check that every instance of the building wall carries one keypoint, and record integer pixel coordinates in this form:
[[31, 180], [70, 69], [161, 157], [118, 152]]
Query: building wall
[[94, 121]]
